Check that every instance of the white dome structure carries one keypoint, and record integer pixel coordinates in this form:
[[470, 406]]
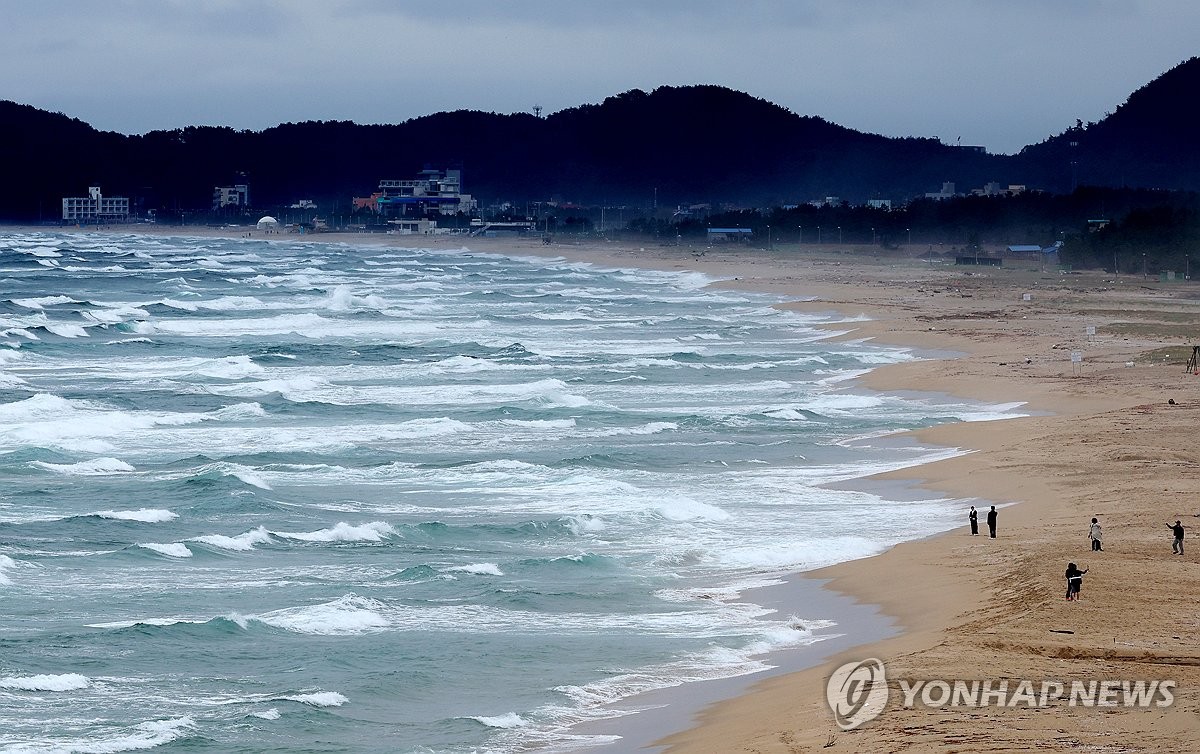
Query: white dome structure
[[267, 223]]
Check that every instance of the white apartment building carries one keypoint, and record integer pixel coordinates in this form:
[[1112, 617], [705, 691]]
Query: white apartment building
[[95, 207]]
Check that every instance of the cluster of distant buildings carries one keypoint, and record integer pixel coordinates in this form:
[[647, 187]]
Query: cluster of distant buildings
[[413, 206]]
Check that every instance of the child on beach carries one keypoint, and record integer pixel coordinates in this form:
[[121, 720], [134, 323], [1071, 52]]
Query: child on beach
[[1074, 581], [1095, 535]]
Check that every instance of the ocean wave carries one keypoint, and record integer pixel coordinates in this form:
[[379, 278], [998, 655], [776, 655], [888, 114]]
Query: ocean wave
[[652, 428], [173, 550], [94, 467], [223, 469], [240, 411], [7, 565], [350, 614], [62, 682], [318, 699], [507, 721], [63, 330], [42, 301], [147, 735], [240, 543], [479, 569], [230, 368], [375, 531], [146, 515]]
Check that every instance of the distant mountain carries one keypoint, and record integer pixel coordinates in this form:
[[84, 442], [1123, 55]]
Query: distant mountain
[[688, 144]]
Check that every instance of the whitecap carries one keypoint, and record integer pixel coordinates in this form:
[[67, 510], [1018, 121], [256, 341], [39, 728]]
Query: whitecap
[[319, 699], [147, 735], [94, 467], [240, 543], [347, 615], [479, 569], [510, 720], [146, 515], [62, 682], [374, 531], [173, 549]]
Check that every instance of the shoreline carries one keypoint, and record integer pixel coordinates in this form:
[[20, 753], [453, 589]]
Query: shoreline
[[1104, 442]]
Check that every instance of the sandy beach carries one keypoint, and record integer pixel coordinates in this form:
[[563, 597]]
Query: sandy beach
[[1111, 437]]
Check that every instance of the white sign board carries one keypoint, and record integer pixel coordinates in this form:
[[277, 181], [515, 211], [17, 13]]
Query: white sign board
[[1076, 357], [1027, 297], [1091, 329]]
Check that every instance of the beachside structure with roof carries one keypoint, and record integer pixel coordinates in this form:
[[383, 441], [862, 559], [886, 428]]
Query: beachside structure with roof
[[720, 235], [431, 192], [95, 208], [231, 196]]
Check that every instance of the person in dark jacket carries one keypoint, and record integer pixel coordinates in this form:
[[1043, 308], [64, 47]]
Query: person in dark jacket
[[992, 522], [1074, 581], [1177, 545], [973, 517]]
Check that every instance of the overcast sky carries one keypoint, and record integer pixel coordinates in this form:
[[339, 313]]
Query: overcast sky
[[1001, 73]]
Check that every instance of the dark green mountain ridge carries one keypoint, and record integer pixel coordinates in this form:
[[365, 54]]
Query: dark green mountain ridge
[[685, 144]]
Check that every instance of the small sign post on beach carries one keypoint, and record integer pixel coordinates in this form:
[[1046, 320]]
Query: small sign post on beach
[[1091, 333], [1076, 362], [1027, 297]]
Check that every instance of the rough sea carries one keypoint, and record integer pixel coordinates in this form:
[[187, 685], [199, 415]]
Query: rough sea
[[264, 495]]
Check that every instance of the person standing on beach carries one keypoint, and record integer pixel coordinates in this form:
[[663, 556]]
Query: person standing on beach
[[1095, 534], [973, 517], [992, 522], [1074, 581], [1177, 545]]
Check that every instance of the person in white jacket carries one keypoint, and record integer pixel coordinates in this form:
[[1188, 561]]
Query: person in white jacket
[[1095, 535]]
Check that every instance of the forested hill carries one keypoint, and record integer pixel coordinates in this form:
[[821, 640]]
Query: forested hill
[[684, 144], [1150, 141]]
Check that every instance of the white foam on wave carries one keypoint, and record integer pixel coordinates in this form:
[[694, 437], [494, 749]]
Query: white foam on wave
[[240, 411], [146, 515], [507, 721], [64, 330], [7, 564], [319, 699], [343, 299], [42, 301], [651, 428], [78, 425], [116, 315], [231, 368], [347, 615], [147, 735], [94, 467], [61, 682], [237, 471], [375, 531], [798, 554], [479, 569], [240, 543], [173, 549], [268, 714], [127, 340]]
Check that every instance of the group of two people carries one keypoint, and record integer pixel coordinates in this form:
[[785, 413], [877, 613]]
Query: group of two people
[[1074, 575], [973, 517]]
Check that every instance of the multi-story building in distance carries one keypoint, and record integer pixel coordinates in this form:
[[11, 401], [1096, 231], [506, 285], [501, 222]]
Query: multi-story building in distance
[[95, 207]]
